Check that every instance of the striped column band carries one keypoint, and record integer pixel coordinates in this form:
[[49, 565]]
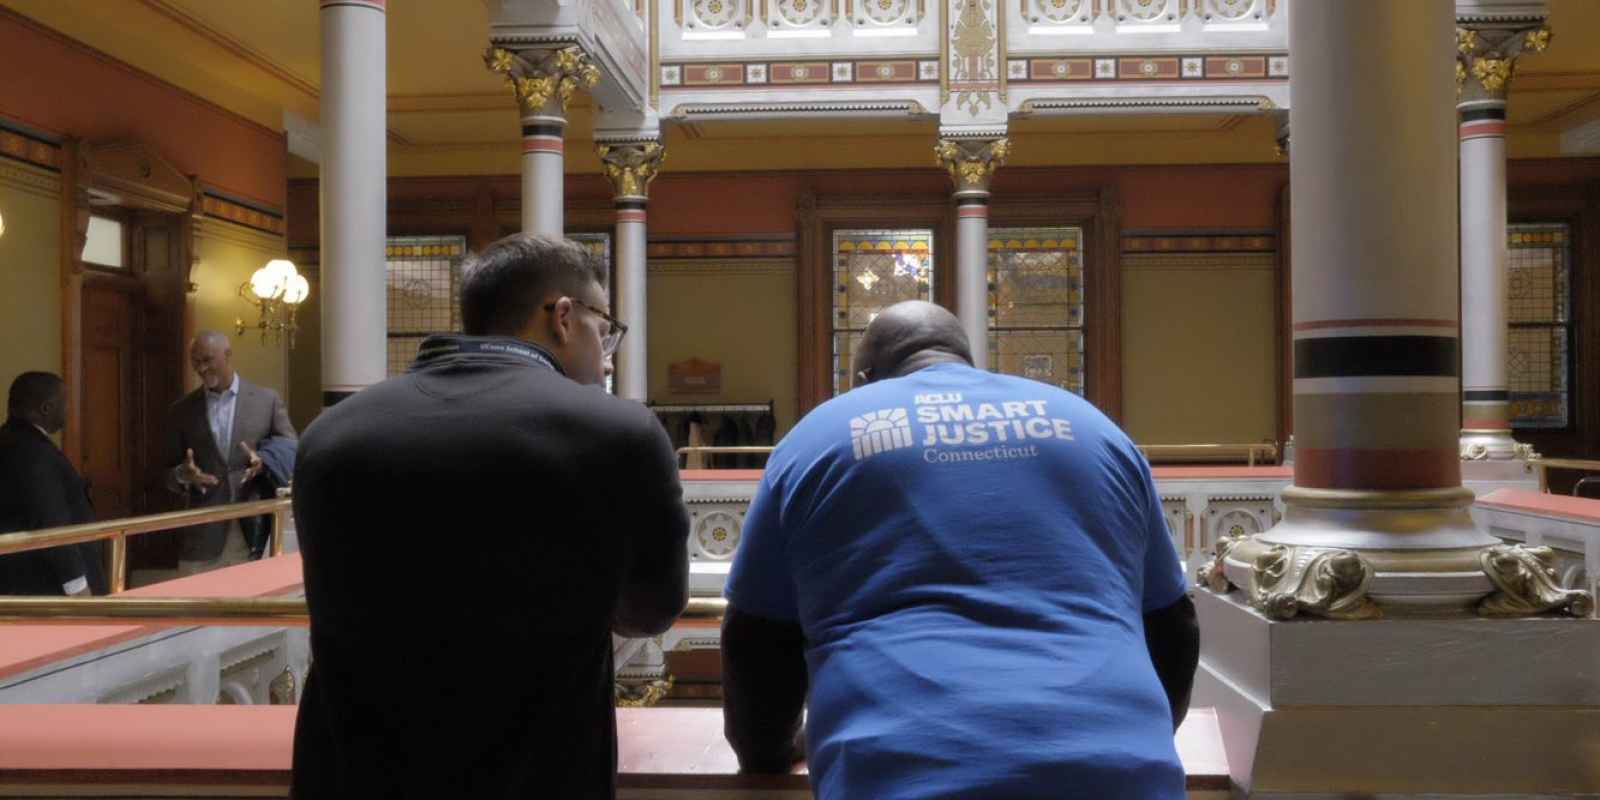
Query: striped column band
[[1478, 121], [630, 209], [1375, 404], [972, 206], [1486, 410], [375, 5], [543, 137]]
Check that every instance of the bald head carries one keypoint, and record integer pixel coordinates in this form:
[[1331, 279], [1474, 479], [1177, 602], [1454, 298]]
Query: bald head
[[38, 397], [909, 336], [209, 355]]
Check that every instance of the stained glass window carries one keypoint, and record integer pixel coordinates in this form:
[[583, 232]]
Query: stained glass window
[[1036, 304], [423, 278], [1538, 267], [872, 270]]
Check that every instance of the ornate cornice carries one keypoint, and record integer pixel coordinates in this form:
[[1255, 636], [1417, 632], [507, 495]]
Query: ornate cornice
[[544, 80]]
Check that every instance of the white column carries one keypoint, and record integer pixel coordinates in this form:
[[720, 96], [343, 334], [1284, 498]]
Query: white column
[[971, 163], [543, 174], [1486, 56], [972, 274], [631, 166], [354, 199], [1485, 419], [543, 82]]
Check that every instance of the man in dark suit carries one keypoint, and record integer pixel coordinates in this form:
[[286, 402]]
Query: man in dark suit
[[210, 456], [473, 532], [40, 489]]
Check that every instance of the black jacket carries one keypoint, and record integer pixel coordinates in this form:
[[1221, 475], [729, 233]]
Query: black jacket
[[39, 488], [473, 532]]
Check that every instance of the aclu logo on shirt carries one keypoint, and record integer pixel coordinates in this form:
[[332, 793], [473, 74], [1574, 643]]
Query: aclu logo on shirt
[[879, 432]]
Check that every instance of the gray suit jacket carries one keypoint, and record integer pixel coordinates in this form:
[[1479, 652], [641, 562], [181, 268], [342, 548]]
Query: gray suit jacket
[[258, 412]]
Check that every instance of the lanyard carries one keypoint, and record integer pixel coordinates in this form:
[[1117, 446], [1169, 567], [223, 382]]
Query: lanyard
[[511, 347]]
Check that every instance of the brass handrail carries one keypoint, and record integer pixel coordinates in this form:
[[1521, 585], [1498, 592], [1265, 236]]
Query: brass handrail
[[1545, 464], [168, 612], [118, 531], [1267, 450]]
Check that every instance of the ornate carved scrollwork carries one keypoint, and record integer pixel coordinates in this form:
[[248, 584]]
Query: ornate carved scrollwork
[[1526, 584], [1474, 452], [550, 79], [1288, 581], [1327, 583], [643, 695], [971, 163], [1210, 574]]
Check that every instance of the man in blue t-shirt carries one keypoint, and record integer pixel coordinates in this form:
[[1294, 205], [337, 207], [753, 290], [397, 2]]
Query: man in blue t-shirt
[[971, 574]]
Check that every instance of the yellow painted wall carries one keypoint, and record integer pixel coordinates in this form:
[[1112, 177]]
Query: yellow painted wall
[[228, 254], [740, 314], [30, 263], [1199, 349]]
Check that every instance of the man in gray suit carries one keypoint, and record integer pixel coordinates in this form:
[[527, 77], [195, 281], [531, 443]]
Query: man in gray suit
[[212, 436]]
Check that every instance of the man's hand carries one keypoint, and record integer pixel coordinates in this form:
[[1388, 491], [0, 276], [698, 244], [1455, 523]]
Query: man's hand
[[254, 469], [192, 475]]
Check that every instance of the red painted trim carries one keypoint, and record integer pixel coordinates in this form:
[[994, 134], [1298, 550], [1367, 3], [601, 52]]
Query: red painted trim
[[1580, 509], [1380, 470], [720, 474], [28, 647], [543, 144], [1483, 127], [973, 211], [1323, 324], [200, 746], [1486, 423], [1222, 473], [630, 215]]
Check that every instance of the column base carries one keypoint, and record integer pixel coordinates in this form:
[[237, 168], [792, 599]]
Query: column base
[[1436, 708], [1492, 445], [1365, 554]]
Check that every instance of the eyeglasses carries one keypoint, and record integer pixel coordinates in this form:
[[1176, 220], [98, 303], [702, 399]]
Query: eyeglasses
[[613, 337]]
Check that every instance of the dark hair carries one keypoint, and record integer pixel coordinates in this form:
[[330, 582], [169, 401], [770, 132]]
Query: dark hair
[[504, 286], [31, 390]]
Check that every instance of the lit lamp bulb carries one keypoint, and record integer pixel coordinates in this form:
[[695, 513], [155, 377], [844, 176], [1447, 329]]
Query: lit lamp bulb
[[267, 283], [297, 290]]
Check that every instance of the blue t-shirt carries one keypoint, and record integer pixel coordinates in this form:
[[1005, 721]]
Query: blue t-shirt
[[970, 556]]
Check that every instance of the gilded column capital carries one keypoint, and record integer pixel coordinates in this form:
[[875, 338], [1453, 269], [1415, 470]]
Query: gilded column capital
[[1486, 57], [972, 162], [631, 167], [544, 80]]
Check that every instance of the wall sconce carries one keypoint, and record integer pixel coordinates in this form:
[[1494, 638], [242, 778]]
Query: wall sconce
[[276, 290]]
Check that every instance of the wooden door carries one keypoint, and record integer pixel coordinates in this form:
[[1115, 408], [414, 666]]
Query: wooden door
[[108, 410]]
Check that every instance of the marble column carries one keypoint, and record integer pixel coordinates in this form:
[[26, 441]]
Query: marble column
[[1486, 56], [543, 82], [630, 167], [354, 201], [1377, 516], [972, 163]]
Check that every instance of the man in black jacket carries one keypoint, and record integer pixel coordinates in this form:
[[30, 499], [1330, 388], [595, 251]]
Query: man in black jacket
[[473, 532], [39, 488]]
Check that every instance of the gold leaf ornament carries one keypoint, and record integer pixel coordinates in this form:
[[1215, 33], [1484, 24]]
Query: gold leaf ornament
[[1537, 40], [1466, 40], [1493, 73]]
